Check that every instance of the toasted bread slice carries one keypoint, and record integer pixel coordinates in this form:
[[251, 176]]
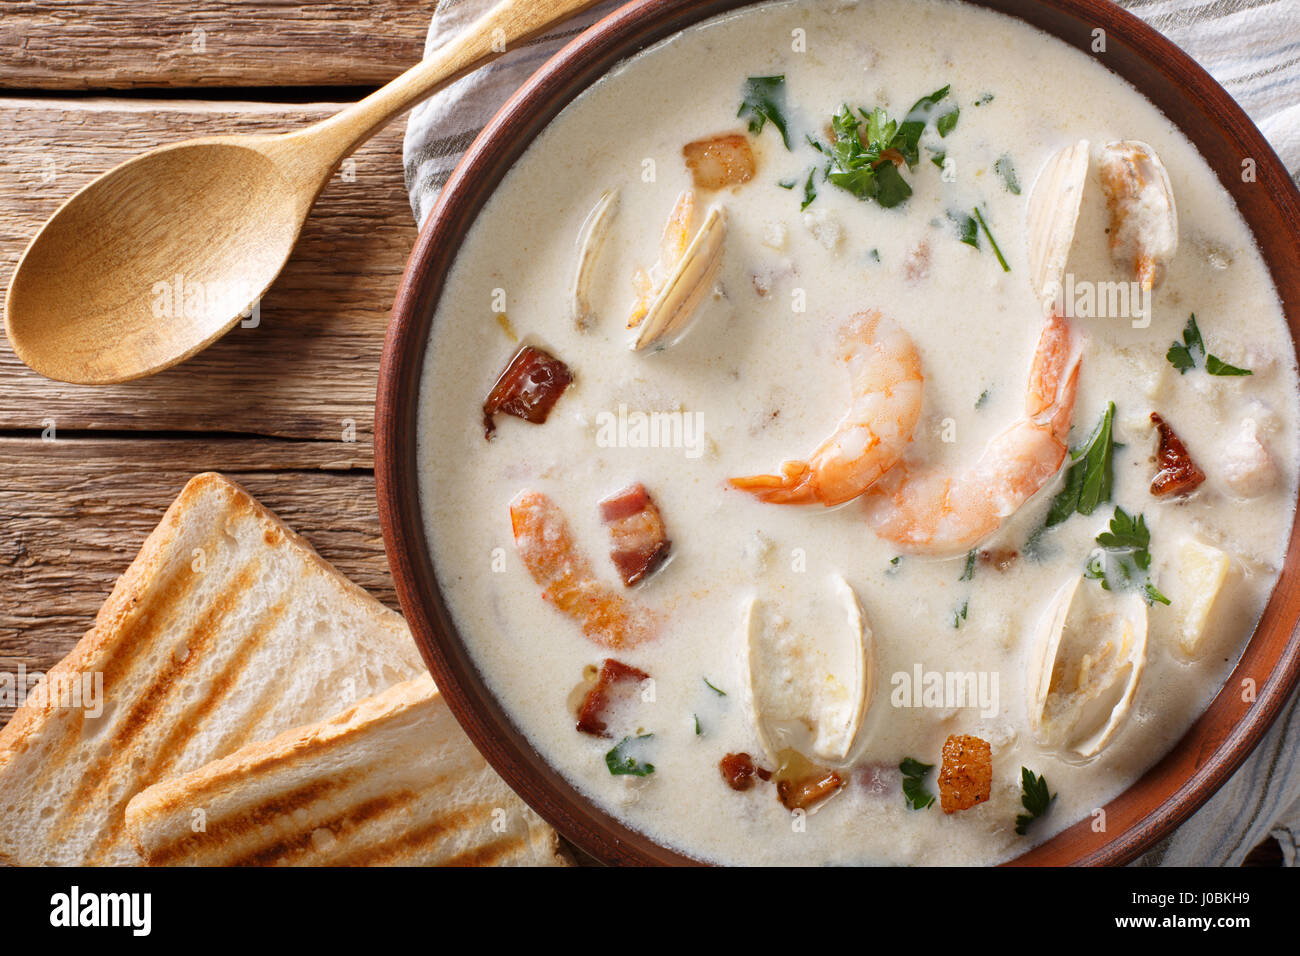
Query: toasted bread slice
[[227, 629], [392, 780]]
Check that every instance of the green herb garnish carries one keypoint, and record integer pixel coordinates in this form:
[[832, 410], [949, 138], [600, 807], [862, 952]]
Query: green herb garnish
[[788, 183], [984, 397], [763, 100], [866, 148], [968, 230], [913, 125], [1125, 561], [698, 730], [914, 792], [1034, 797], [1004, 168], [1182, 355], [1217, 366], [622, 764], [946, 123], [1089, 480], [959, 615], [720, 693], [855, 161], [969, 573], [937, 157], [809, 191], [986, 98], [992, 242]]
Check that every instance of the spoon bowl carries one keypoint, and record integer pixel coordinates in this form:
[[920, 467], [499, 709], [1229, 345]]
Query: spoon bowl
[[159, 257]]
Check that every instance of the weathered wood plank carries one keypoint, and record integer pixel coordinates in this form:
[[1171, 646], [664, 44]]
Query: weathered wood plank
[[74, 512], [311, 364], [117, 44]]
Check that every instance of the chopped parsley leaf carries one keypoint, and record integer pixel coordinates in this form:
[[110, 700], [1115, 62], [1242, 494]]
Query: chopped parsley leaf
[[946, 123], [763, 100], [914, 792], [867, 149], [1091, 476], [1217, 366], [969, 573], [1004, 168], [809, 191], [913, 125], [968, 230], [992, 242], [959, 615], [1125, 557], [622, 764], [1182, 355], [1035, 797]]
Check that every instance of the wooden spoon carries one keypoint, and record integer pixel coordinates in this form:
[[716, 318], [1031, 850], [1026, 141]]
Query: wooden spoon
[[93, 299]]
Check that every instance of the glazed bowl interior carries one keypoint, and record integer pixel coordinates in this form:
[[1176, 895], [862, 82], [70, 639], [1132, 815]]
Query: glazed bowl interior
[[1217, 742]]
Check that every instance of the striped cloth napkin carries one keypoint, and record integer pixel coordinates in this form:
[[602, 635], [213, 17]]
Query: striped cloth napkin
[[1252, 47]]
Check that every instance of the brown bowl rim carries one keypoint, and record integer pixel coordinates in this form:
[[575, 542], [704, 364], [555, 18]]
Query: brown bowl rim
[[1196, 766]]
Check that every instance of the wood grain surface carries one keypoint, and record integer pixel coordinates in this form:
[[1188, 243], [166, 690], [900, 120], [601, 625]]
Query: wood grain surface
[[117, 44], [270, 406], [311, 363]]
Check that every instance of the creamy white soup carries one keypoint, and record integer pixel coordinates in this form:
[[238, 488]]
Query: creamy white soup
[[959, 591]]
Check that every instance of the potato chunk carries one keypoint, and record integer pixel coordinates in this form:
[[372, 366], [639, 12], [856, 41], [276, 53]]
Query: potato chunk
[[966, 777], [1202, 570]]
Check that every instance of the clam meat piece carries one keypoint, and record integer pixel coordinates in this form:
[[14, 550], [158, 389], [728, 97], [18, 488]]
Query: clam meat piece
[[809, 674], [590, 240], [685, 285], [1085, 667], [1052, 216], [1143, 217]]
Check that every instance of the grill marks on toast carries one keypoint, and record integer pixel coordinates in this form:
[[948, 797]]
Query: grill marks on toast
[[188, 711], [220, 689], [165, 683], [369, 786], [411, 842], [285, 849], [135, 639]]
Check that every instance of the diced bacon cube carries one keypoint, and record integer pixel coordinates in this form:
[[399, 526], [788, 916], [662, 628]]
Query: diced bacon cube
[[638, 541]]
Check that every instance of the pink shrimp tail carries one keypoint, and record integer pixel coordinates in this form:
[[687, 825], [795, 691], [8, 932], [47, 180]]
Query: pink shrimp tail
[[796, 486]]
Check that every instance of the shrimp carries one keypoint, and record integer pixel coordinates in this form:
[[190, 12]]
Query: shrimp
[[885, 377], [546, 546], [930, 511], [1143, 218]]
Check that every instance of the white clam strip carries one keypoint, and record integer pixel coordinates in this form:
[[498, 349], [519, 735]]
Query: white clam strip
[[685, 286], [1144, 219], [809, 678], [1052, 215], [1085, 667], [590, 240]]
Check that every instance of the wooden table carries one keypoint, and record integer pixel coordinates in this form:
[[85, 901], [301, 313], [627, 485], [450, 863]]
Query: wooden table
[[85, 473]]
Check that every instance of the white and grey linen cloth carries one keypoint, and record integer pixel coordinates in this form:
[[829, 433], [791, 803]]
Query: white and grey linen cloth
[[1252, 47]]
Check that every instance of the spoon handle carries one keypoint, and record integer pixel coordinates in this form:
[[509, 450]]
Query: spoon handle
[[505, 24]]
